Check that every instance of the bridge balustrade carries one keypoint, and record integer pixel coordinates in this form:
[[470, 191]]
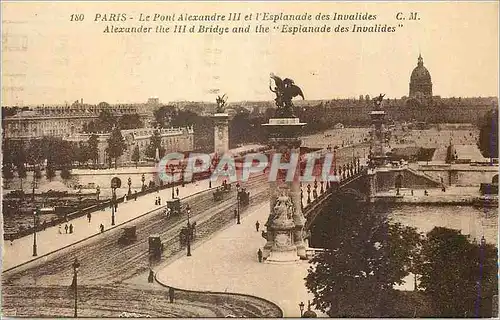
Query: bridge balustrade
[[325, 192]]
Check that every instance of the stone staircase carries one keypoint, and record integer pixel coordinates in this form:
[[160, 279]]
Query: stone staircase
[[440, 154]]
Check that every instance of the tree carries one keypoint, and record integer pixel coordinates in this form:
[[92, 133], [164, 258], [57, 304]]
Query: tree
[[488, 135], [35, 152], [104, 123], [365, 257], [460, 277], [136, 156], [93, 147], [81, 153], [21, 173], [7, 171], [50, 172], [65, 173], [130, 121], [164, 115], [155, 143], [116, 145]]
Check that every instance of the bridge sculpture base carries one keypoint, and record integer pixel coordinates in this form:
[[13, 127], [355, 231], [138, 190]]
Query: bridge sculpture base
[[283, 257], [283, 251]]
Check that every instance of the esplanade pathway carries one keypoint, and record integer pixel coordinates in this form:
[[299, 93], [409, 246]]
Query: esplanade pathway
[[49, 240], [228, 262]]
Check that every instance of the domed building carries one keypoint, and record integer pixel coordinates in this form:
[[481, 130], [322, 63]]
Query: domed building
[[420, 81]]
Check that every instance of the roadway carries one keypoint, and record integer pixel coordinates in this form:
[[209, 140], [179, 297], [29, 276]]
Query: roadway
[[107, 264]]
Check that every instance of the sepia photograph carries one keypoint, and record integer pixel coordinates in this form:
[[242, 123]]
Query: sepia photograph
[[249, 159]]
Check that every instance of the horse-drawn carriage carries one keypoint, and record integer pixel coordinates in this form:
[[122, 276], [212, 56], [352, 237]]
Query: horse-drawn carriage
[[155, 245], [173, 207], [185, 231], [224, 188], [128, 236], [244, 197], [218, 194]]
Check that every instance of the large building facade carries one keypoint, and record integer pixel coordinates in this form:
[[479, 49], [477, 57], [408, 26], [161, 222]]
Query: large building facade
[[172, 139], [60, 121]]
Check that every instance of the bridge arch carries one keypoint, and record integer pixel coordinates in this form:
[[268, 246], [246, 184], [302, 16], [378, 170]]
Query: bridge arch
[[321, 223]]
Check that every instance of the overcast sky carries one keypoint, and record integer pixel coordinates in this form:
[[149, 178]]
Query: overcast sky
[[49, 59]]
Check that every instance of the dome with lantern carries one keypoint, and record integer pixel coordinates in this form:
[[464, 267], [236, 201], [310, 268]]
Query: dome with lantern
[[420, 81]]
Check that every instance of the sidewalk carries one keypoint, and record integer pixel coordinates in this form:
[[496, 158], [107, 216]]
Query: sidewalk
[[49, 240], [228, 263]]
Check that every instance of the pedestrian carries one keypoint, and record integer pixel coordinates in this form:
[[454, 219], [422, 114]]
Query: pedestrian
[[89, 216], [159, 201], [257, 225], [156, 201], [11, 241], [135, 195], [101, 227], [177, 191], [70, 228], [151, 276], [171, 294], [209, 184], [259, 255], [59, 229], [66, 227], [426, 193], [412, 192], [235, 213]]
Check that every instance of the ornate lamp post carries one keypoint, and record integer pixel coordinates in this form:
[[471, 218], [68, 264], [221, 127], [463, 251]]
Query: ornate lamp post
[[308, 193], [34, 185], [76, 265], [301, 198], [35, 216], [238, 203], [301, 307], [188, 210], [129, 185], [113, 201], [115, 183], [183, 170], [335, 160], [172, 169]]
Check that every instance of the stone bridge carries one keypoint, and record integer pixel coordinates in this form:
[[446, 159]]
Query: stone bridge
[[363, 183]]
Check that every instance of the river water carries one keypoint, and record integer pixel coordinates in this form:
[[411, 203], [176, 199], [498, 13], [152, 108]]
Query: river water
[[472, 221]]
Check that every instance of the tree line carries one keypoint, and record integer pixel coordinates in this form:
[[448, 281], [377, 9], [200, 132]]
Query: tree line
[[244, 127]]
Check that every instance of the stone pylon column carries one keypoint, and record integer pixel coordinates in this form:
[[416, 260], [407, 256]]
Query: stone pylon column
[[378, 134], [285, 241], [221, 133]]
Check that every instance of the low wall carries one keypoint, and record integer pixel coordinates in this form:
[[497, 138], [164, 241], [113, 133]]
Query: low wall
[[465, 176], [386, 180]]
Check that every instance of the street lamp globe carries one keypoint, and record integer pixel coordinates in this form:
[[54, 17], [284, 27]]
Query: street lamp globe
[[76, 265]]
